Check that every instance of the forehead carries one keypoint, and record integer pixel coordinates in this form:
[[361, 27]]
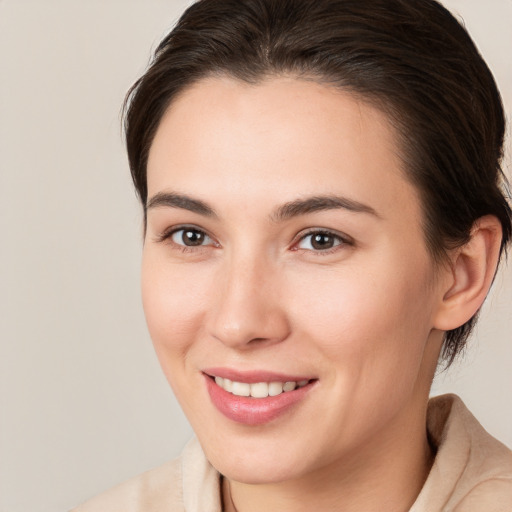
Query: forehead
[[282, 134]]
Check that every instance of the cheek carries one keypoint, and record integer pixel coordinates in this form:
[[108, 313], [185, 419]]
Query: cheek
[[173, 301], [377, 317], [369, 330]]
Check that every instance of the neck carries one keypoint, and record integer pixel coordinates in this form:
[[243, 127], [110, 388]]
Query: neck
[[386, 474]]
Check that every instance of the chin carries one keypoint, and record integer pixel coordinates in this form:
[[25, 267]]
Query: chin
[[250, 473], [256, 461]]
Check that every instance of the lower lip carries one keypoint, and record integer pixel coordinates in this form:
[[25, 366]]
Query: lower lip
[[254, 411]]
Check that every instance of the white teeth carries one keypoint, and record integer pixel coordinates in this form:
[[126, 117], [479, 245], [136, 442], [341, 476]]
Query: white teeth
[[258, 389], [289, 386], [275, 388], [228, 385], [241, 389]]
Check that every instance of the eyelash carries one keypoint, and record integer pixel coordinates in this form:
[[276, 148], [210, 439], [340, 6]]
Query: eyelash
[[340, 240], [168, 234]]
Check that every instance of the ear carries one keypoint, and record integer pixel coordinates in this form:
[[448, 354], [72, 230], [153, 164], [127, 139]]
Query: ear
[[472, 270]]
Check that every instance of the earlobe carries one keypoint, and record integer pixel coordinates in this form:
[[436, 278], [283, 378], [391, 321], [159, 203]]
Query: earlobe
[[473, 267]]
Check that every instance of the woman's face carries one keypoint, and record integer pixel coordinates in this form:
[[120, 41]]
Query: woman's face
[[285, 245]]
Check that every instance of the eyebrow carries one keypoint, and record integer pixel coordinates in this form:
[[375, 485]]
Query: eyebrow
[[320, 203], [284, 212], [174, 200]]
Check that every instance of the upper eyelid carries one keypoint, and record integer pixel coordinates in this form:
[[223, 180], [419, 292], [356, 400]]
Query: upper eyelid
[[168, 232], [312, 231]]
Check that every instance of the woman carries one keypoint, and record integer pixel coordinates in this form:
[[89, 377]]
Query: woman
[[323, 220]]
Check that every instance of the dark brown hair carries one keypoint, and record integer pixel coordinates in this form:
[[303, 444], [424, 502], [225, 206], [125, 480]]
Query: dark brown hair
[[410, 58]]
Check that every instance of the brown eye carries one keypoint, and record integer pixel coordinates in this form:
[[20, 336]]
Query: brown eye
[[190, 237], [320, 241]]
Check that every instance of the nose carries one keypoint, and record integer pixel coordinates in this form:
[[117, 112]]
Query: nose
[[249, 309]]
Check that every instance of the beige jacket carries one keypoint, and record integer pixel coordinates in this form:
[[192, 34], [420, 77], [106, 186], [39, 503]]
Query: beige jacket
[[472, 472]]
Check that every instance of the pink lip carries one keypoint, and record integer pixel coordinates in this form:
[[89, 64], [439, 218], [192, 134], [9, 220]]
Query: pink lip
[[254, 376], [254, 411]]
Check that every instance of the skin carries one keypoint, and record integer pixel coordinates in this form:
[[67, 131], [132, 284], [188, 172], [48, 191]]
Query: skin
[[365, 317]]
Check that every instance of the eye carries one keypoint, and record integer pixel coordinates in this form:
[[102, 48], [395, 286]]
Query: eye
[[190, 237], [321, 241]]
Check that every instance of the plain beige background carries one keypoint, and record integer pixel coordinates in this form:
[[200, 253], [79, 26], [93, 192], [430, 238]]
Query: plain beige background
[[83, 404]]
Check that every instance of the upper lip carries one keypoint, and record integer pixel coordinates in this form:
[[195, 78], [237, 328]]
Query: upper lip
[[254, 376]]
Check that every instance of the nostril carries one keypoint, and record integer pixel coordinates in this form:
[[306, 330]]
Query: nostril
[[258, 340]]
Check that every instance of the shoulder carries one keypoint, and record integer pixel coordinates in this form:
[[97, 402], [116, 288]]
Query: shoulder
[[472, 470], [492, 495], [151, 491], [187, 483]]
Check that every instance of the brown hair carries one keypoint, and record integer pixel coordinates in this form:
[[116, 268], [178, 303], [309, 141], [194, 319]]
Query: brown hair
[[411, 58]]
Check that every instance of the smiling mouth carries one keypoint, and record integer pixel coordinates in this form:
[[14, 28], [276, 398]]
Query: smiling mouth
[[258, 389], [255, 397]]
